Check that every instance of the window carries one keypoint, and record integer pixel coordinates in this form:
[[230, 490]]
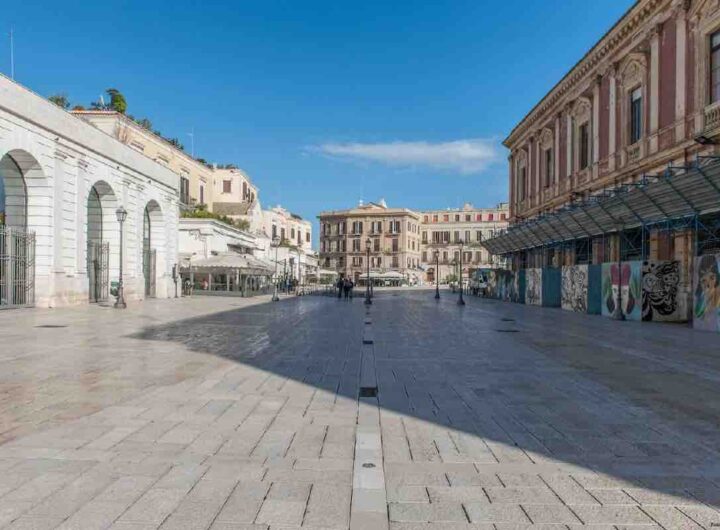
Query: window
[[467, 236], [468, 217], [636, 102], [456, 236], [548, 168], [424, 255], [446, 218], [424, 237], [478, 235], [503, 216], [523, 183], [478, 217], [425, 219], [202, 194], [490, 217], [282, 234], [184, 190], [457, 217], [584, 145], [395, 245], [715, 67], [227, 186], [435, 218], [274, 231], [245, 191], [356, 245], [376, 244], [307, 237]]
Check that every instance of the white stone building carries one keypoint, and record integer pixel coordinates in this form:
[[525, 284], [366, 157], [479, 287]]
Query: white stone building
[[61, 181]]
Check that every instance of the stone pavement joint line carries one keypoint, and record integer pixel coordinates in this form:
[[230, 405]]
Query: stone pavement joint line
[[214, 413]]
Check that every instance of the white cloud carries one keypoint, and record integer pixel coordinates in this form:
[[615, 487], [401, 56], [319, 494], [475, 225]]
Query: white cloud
[[471, 155]]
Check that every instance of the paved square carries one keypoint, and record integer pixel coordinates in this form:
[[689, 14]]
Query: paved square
[[240, 413]]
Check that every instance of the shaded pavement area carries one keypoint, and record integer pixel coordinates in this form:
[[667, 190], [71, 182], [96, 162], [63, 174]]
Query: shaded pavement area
[[241, 413]]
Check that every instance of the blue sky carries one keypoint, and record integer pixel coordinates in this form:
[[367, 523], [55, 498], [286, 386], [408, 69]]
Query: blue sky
[[322, 102]]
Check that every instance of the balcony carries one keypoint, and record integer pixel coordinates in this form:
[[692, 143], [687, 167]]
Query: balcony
[[712, 117]]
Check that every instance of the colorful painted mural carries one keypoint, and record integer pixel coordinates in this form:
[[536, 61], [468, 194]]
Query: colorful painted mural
[[622, 284], [661, 295], [533, 286], [706, 293], [575, 288]]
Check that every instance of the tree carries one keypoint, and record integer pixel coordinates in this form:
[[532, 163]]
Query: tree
[[61, 100], [175, 143], [117, 100], [78, 107], [145, 123]]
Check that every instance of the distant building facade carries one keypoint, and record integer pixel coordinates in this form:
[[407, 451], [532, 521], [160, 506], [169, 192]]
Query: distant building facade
[[442, 231], [394, 235], [196, 178], [292, 229]]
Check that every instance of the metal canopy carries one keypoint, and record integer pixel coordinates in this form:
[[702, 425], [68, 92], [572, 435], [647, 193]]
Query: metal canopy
[[678, 193]]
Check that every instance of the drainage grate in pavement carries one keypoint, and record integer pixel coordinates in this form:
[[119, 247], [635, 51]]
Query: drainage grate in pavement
[[51, 326], [368, 391], [507, 330]]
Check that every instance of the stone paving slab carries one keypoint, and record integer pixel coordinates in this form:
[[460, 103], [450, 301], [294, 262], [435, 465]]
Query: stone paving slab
[[241, 413]]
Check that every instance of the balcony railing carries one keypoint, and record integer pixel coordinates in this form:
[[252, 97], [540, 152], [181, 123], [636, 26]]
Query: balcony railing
[[712, 116]]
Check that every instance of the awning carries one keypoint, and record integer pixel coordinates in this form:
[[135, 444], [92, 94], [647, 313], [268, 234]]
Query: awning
[[245, 263], [676, 194], [388, 275]]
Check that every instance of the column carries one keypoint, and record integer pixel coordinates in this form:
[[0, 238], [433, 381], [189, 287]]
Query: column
[[569, 146], [556, 152], [612, 126], [654, 86], [596, 126], [680, 70]]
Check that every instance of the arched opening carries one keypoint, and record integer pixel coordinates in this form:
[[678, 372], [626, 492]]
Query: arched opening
[[153, 238], [19, 170], [102, 235]]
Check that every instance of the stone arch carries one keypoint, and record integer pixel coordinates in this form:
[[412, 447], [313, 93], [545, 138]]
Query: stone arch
[[153, 239], [21, 179], [101, 228]]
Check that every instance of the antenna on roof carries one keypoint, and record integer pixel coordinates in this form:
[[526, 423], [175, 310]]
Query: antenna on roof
[[12, 55], [191, 134]]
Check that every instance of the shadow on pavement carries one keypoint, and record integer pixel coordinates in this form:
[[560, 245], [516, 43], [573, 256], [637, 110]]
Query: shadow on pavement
[[500, 383]]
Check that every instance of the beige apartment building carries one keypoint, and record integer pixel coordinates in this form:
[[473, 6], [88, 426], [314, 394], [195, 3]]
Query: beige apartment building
[[451, 231], [196, 178], [289, 227], [394, 235], [235, 196]]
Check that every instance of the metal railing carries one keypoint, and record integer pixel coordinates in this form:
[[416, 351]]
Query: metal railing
[[17, 268]]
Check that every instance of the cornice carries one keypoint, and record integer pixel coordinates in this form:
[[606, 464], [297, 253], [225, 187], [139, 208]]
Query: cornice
[[624, 30]]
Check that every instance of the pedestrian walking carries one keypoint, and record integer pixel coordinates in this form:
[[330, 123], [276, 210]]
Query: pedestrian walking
[[339, 286], [346, 288], [352, 286]]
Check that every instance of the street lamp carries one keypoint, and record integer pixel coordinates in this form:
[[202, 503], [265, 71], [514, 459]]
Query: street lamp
[[276, 244], [437, 274], [368, 244], [460, 298], [121, 214]]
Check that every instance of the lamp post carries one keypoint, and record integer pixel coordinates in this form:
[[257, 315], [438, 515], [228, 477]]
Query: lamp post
[[368, 244], [437, 274], [121, 214], [460, 298], [276, 244]]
